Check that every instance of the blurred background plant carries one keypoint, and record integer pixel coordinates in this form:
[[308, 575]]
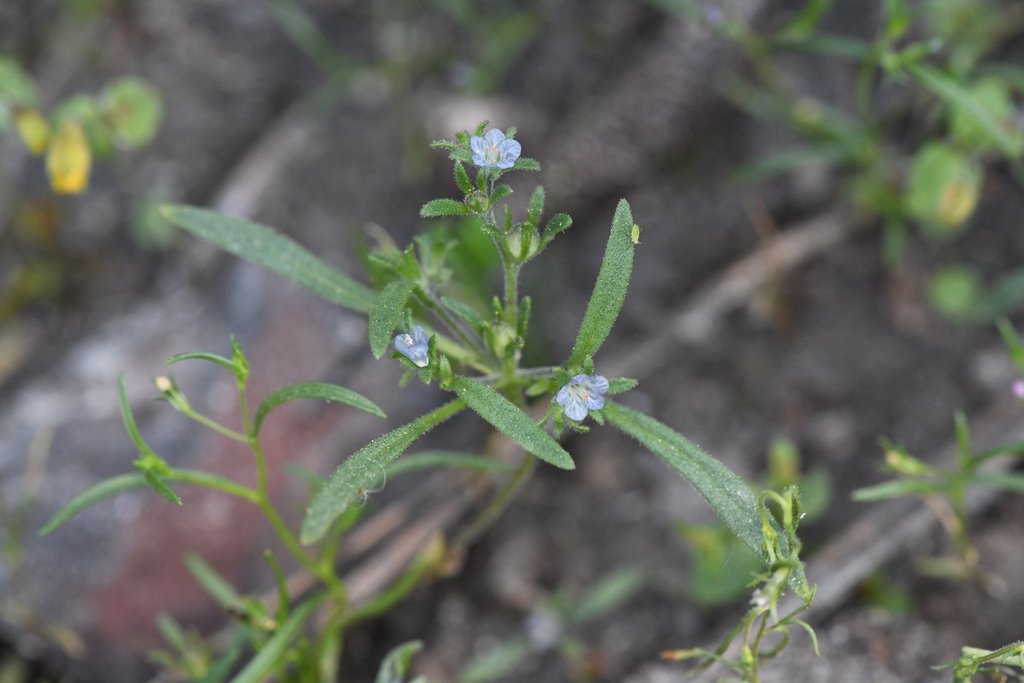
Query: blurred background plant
[[722, 568], [75, 133], [945, 491], [935, 110], [555, 625]]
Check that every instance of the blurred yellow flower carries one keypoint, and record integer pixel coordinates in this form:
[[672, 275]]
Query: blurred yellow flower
[[68, 159], [33, 129]]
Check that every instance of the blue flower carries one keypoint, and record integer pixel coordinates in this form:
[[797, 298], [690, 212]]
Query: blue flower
[[494, 150], [582, 393], [414, 345]]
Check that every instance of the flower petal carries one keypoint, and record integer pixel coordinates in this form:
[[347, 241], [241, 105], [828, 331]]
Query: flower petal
[[574, 409], [494, 137]]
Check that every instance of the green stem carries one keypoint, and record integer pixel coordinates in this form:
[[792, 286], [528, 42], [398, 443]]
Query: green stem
[[394, 593], [188, 411], [474, 342], [498, 503], [210, 481], [324, 572]]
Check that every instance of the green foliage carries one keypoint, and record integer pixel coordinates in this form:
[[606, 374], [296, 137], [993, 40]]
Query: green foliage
[[943, 187], [934, 69], [977, 110], [396, 664], [949, 487], [727, 493], [275, 649], [125, 115], [504, 416], [387, 313], [471, 350], [318, 390], [609, 290], [555, 624], [138, 480], [133, 110], [722, 567], [363, 469], [764, 633], [1000, 663], [270, 249]]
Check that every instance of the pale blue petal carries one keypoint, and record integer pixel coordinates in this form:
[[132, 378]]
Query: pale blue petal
[[574, 409]]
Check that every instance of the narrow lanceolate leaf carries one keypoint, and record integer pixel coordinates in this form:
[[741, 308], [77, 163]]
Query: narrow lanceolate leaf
[[218, 588], [610, 289], [504, 416], [363, 469], [443, 207], [318, 390], [386, 314], [129, 419], [270, 249], [956, 96], [277, 646], [396, 664], [137, 480], [435, 460], [225, 363], [728, 494], [897, 488]]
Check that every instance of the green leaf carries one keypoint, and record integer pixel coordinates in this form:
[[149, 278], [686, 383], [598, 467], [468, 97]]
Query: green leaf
[[959, 98], [129, 419], [610, 289], [318, 390], [536, 207], [558, 224], [620, 385], [895, 489], [92, 495], [226, 363], [133, 110], [496, 663], [1013, 343], [1004, 481], [500, 192], [396, 664], [897, 18], [992, 95], [956, 291], [387, 313], [610, 592], [731, 498], [270, 249], [156, 482], [826, 153], [276, 647], [943, 188], [462, 178], [432, 460], [137, 480], [212, 582], [804, 24], [443, 207], [362, 469], [504, 416], [15, 84], [466, 312]]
